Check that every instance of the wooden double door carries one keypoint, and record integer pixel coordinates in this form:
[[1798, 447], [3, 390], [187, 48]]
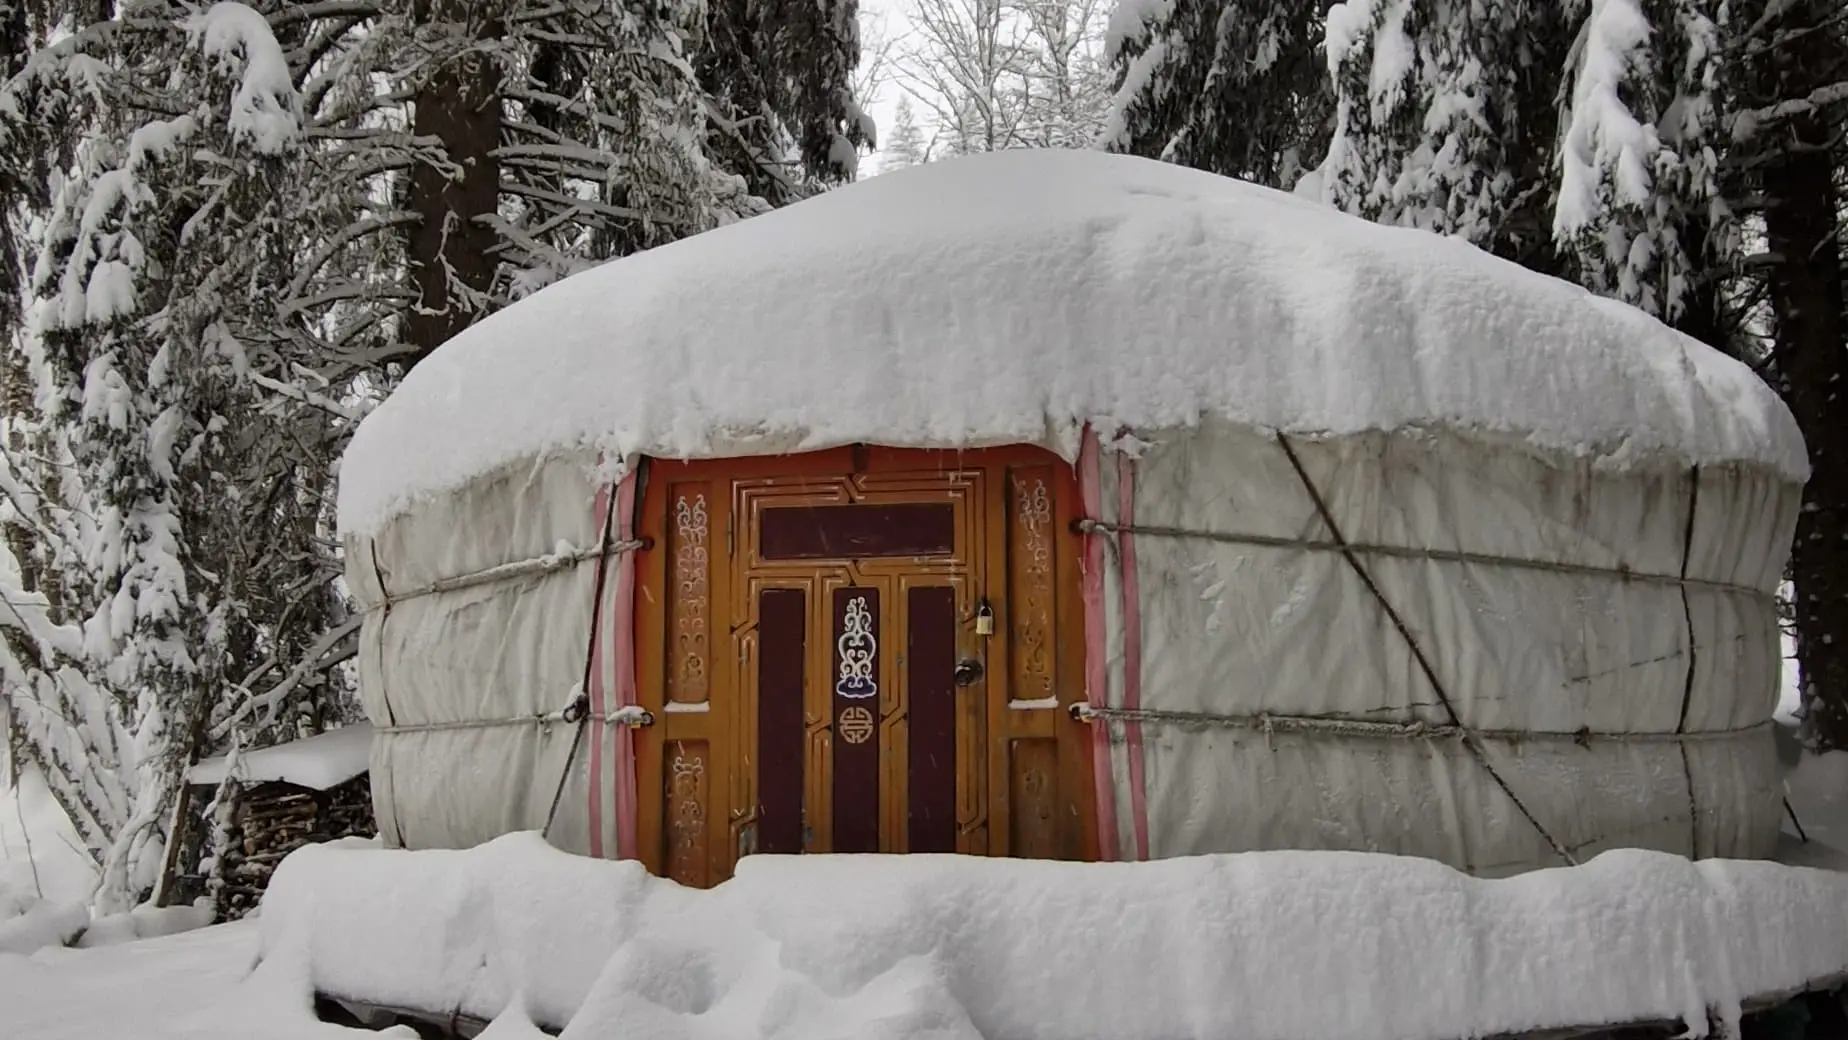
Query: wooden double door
[[857, 632], [862, 655]]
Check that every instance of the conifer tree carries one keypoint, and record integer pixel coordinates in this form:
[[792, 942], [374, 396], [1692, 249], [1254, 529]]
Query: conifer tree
[[1788, 166], [258, 216], [1235, 87], [904, 143], [1446, 119], [154, 225]]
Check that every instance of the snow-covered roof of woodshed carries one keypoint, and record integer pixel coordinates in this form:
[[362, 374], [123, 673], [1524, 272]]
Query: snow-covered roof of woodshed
[[1012, 297], [319, 762]]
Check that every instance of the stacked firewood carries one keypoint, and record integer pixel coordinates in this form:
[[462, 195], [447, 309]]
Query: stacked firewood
[[272, 820]]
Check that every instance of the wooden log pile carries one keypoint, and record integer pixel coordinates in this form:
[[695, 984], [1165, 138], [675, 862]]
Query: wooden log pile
[[274, 819]]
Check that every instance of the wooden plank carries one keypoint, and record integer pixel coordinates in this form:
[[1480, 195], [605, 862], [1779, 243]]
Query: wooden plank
[[782, 634], [729, 722], [856, 711], [1034, 791], [930, 664]]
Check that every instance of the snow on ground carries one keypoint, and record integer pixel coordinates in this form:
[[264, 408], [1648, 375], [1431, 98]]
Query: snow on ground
[[46, 881], [941, 948], [957, 947], [196, 986], [1010, 297], [1818, 794], [31, 820], [28, 923], [126, 984], [45, 876], [1815, 786]]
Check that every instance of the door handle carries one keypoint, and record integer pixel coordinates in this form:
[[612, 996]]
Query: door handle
[[968, 672]]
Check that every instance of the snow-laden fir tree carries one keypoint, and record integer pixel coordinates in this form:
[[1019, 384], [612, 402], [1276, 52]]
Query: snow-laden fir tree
[[1578, 138], [548, 136], [779, 78], [261, 214], [1640, 207], [1236, 87], [904, 144], [1445, 118], [152, 226]]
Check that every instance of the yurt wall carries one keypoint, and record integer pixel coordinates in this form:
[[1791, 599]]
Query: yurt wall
[[479, 609], [1440, 646], [1197, 640]]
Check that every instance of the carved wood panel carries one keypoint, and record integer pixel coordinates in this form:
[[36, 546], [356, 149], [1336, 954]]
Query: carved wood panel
[[1032, 581], [688, 813], [1033, 794], [690, 576]]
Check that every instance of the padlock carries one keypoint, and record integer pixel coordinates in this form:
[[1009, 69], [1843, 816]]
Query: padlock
[[985, 620]]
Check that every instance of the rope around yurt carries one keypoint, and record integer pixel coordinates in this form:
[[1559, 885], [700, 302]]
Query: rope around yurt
[[1469, 738]]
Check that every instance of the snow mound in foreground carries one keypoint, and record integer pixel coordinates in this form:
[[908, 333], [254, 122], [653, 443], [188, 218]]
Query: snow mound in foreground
[[27, 925], [1013, 297], [1266, 945]]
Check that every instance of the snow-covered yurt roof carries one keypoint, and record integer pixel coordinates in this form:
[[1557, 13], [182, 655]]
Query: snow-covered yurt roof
[[1015, 296]]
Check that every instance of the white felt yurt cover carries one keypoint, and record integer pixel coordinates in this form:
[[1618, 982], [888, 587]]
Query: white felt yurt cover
[[1433, 555]]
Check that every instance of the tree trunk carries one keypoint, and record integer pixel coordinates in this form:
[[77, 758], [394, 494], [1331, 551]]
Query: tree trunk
[[1702, 315], [1812, 355], [451, 248]]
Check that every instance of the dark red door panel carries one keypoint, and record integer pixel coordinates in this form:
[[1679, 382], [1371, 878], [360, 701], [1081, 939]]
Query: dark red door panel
[[930, 665], [782, 631]]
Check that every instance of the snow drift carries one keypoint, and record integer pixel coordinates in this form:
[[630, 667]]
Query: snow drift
[[1330, 946]]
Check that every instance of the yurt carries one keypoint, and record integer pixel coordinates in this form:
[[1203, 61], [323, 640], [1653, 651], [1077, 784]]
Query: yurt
[[1069, 505]]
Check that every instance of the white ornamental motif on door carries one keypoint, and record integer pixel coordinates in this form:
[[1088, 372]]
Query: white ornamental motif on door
[[857, 648]]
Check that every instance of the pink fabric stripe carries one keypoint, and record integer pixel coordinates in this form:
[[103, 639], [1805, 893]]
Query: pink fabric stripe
[[1090, 497], [1132, 649], [622, 620], [596, 694]]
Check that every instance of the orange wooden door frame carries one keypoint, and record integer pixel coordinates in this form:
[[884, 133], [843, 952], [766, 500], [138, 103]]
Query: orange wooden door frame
[[693, 764]]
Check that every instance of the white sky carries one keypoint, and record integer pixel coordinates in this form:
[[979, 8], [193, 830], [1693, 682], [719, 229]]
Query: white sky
[[888, 19]]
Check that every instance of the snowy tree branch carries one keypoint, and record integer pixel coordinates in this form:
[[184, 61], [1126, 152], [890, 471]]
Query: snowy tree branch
[[1752, 122]]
